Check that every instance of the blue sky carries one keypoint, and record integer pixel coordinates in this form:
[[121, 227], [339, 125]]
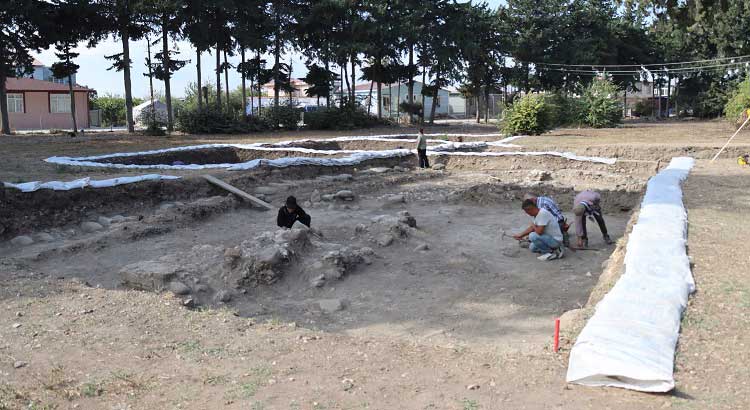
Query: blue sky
[[93, 72]]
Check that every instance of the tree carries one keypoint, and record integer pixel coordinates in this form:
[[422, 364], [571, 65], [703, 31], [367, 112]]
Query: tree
[[284, 15], [382, 47], [127, 19], [112, 108], [251, 32], [22, 28], [196, 30], [319, 80]]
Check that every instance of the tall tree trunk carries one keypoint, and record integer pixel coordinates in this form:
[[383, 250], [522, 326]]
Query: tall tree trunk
[[369, 98], [126, 75], [380, 99], [259, 85], [341, 86], [198, 69], [625, 102], [398, 103], [72, 103], [167, 75], [226, 82], [424, 78], [330, 88], [218, 77], [150, 79], [435, 98], [252, 99], [354, 79], [669, 92], [244, 92], [348, 88], [486, 104], [4, 118], [479, 104], [276, 61], [411, 78]]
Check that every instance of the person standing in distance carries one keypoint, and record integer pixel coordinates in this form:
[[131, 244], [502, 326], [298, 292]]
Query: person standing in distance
[[422, 149]]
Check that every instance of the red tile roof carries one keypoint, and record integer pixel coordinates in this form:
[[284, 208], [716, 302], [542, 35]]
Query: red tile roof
[[30, 84]]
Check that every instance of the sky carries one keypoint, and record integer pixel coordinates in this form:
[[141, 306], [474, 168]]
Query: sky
[[93, 71]]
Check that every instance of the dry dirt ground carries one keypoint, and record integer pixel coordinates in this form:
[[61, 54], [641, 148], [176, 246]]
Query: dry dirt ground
[[448, 314]]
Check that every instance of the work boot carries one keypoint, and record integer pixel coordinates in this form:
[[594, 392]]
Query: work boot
[[608, 240]]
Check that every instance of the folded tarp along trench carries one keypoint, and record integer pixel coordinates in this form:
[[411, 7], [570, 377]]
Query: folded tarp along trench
[[630, 340]]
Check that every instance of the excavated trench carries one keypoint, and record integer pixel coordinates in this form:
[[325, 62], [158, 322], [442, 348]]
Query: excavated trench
[[397, 252]]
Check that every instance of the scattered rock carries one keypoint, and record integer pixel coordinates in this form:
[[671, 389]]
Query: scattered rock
[[223, 296], [104, 221], [421, 248], [472, 387], [307, 204], [44, 237], [22, 240], [91, 226], [385, 240], [438, 167], [315, 196], [149, 275], [331, 305], [19, 364], [265, 190], [399, 169], [379, 170], [327, 197], [348, 384], [360, 228], [394, 199], [538, 175], [16, 325], [511, 252], [118, 219], [178, 288], [188, 303], [318, 281], [344, 195]]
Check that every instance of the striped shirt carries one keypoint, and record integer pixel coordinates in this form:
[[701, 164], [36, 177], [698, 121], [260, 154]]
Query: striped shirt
[[545, 202]]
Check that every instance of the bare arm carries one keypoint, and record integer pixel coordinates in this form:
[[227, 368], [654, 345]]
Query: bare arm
[[526, 232]]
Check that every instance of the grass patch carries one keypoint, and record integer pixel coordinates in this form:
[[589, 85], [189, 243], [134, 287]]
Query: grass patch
[[470, 404], [91, 390]]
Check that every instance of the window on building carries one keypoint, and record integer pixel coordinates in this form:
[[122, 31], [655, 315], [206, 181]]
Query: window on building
[[15, 102], [387, 102], [59, 103]]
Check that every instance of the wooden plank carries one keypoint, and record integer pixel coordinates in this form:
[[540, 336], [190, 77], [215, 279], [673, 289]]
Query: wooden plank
[[242, 194]]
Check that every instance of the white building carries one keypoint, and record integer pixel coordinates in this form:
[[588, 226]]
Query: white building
[[394, 94]]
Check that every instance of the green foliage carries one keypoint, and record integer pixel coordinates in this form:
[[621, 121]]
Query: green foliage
[[211, 121], [339, 119], [644, 108], [737, 105], [112, 107], [602, 105], [532, 114], [282, 116], [411, 108]]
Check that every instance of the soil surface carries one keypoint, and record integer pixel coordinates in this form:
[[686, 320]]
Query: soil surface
[[373, 309]]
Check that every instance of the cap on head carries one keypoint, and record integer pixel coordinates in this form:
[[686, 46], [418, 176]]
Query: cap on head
[[579, 209], [291, 202], [529, 196], [421, 130]]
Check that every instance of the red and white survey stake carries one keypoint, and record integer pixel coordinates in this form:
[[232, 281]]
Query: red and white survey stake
[[556, 346]]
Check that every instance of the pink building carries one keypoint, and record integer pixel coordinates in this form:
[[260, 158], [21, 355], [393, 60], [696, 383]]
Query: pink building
[[36, 104]]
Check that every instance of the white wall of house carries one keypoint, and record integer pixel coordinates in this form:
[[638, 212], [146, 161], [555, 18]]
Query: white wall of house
[[390, 99]]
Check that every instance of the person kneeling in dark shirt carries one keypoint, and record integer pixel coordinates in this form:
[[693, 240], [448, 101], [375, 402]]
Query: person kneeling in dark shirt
[[291, 213]]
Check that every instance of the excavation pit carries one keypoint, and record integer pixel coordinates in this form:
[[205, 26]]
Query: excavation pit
[[454, 279]]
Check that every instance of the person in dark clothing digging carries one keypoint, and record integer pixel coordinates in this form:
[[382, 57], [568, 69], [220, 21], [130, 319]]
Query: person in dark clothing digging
[[291, 213]]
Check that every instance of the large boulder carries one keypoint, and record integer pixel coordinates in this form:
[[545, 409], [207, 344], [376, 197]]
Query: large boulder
[[149, 275]]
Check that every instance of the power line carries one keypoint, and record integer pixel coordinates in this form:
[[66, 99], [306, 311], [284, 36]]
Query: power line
[[679, 70], [642, 65]]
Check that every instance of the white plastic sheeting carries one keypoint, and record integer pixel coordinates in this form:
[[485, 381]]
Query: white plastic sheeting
[[630, 341], [85, 182], [568, 155]]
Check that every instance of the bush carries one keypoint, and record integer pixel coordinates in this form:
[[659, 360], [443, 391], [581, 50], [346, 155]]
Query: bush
[[602, 105], [282, 116], [533, 114], [739, 102], [411, 108], [643, 108], [212, 121], [334, 118]]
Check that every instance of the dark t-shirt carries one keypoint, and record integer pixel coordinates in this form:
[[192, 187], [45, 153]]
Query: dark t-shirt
[[286, 219]]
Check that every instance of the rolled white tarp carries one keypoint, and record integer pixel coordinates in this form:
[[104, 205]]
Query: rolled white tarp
[[630, 340], [85, 182]]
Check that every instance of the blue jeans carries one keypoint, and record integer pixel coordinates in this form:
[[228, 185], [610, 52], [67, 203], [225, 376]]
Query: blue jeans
[[542, 243]]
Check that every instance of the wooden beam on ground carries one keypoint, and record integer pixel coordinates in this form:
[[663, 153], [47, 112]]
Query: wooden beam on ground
[[242, 194]]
